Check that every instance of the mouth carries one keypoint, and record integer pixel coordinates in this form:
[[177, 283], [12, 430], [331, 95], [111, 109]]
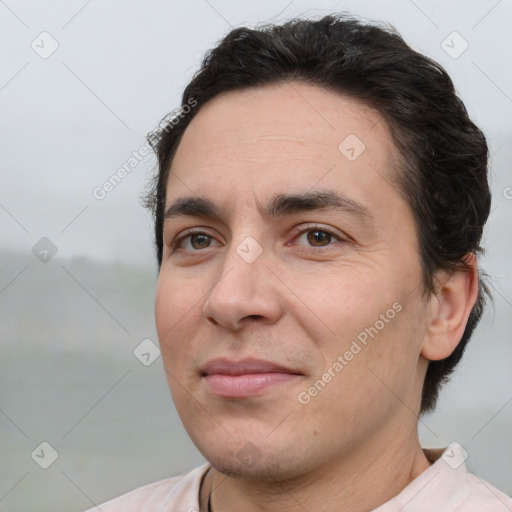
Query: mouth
[[246, 378]]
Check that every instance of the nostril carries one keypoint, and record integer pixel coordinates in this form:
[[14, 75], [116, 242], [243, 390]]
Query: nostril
[[212, 320]]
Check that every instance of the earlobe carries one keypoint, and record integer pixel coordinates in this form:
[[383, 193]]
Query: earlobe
[[451, 304]]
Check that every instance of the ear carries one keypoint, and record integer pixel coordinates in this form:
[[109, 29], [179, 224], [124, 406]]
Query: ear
[[450, 306]]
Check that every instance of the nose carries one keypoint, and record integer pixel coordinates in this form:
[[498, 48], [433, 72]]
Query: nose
[[245, 292]]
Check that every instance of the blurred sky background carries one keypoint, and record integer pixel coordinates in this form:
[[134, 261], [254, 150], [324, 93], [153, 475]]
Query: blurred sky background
[[69, 119]]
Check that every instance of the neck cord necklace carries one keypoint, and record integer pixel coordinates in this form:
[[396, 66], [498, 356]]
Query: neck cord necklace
[[210, 495]]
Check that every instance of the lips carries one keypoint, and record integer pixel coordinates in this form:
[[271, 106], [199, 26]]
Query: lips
[[228, 367], [246, 378]]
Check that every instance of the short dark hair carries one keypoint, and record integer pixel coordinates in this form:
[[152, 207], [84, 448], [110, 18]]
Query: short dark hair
[[443, 156]]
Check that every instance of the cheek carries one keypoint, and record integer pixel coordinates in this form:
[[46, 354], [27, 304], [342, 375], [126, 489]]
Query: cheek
[[372, 324], [176, 307], [175, 316], [350, 303]]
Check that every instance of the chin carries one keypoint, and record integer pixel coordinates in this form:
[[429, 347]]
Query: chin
[[267, 469], [254, 460]]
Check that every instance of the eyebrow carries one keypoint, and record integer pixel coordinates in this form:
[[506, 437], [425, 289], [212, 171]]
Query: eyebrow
[[279, 205]]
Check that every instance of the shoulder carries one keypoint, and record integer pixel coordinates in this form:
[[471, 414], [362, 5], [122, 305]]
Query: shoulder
[[135, 500], [447, 485], [179, 491], [478, 495], [461, 490]]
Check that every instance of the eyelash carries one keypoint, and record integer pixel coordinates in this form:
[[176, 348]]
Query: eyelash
[[188, 232], [191, 231], [322, 229]]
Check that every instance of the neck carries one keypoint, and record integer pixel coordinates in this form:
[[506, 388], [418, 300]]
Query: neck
[[359, 481]]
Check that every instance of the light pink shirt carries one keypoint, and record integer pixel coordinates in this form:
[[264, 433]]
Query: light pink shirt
[[446, 486]]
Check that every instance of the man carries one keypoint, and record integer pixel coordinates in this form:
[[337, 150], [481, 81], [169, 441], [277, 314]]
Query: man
[[318, 212]]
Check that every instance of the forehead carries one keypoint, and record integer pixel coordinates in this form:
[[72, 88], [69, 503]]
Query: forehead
[[284, 136]]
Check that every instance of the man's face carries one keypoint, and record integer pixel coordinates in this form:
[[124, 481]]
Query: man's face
[[289, 306]]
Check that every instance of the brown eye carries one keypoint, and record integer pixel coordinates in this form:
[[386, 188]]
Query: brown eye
[[195, 241], [319, 238], [200, 241]]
